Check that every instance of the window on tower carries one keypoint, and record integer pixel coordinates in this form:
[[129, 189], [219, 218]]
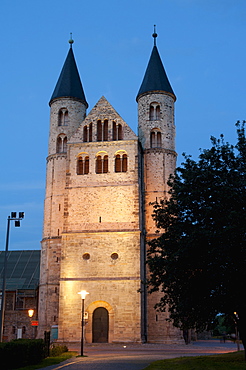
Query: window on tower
[[155, 138], [154, 112], [63, 117], [120, 162], [61, 144], [83, 164], [102, 163]]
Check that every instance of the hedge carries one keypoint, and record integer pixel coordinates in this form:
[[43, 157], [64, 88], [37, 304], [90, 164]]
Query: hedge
[[21, 352]]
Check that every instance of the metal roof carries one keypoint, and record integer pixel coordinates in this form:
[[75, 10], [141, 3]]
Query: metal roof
[[69, 84], [22, 269], [155, 78]]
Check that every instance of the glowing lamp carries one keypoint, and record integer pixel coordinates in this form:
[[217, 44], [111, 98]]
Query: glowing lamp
[[30, 312]]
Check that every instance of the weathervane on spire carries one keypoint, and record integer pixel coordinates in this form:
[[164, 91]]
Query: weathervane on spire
[[154, 35], [71, 40]]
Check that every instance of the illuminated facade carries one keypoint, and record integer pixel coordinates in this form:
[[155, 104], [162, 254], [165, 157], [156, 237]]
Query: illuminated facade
[[100, 179]]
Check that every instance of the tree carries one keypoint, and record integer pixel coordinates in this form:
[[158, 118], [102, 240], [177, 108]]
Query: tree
[[198, 259]]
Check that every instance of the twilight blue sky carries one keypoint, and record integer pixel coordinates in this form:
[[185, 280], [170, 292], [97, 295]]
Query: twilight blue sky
[[202, 46]]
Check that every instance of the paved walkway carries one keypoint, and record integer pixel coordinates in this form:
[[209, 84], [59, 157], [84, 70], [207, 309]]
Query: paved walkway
[[137, 356]]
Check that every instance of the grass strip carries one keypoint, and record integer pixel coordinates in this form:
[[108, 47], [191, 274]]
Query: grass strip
[[227, 361], [50, 361]]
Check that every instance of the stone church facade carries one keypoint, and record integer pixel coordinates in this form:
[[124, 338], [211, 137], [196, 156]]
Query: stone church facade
[[100, 179]]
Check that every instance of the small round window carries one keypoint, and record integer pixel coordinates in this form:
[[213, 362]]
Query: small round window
[[114, 256], [86, 256]]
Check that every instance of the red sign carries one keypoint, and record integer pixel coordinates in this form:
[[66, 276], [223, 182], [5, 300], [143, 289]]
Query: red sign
[[35, 323]]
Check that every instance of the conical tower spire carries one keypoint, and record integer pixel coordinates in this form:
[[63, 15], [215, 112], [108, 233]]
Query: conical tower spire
[[155, 78], [69, 84]]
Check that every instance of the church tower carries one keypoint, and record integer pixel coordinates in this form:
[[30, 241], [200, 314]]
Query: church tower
[[67, 109], [156, 132]]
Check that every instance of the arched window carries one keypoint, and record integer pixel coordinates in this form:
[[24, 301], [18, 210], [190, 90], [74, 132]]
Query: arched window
[[85, 135], [152, 139], [105, 130], [99, 130], [65, 145], [61, 144], [86, 165], [155, 138], [63, 117], [154, 112], [99, 164], [120, 134], [151, 113], [90, 132], [60, 116], [117, 163], [105, 164], [83, 165], [80, 166], [124, 163], [102, 164], [121, 163], [114, 131], [117, 131]]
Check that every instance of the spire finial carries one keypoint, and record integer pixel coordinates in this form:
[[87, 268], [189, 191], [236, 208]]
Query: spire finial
[[154, 35], [71, 40]]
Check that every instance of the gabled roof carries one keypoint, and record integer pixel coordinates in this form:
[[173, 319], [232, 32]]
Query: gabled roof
[[101, 111], [69, 84], [22, 269], [155, 78]]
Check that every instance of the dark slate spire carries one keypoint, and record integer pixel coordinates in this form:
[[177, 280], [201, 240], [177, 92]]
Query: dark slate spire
[[155, 78], [69, 84]]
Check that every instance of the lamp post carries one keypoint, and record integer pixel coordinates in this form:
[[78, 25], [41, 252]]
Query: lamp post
[[30, 314], [12, 217], [83, 294], [236, 328]]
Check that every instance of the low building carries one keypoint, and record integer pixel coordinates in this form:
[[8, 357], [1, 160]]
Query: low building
[[21, 293]]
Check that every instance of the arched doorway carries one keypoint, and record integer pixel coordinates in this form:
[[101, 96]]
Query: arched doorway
[[100, 325]]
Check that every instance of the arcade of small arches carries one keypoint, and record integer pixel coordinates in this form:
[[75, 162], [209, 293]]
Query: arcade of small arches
[[101, 163], [155, 142], [103, 133]]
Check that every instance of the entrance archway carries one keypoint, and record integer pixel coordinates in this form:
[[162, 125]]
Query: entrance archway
[[100, 325]]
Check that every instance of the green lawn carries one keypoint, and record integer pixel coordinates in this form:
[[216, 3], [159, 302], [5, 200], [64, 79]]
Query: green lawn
[[50, 361], [228, 361]]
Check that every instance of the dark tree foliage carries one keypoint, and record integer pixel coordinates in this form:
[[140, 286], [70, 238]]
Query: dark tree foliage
[[198, 259]]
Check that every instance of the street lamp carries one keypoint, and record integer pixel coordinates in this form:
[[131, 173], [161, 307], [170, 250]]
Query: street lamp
[[30, 313], [12, 217], [83, 294]]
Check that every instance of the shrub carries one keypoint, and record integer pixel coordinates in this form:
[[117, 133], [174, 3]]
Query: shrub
[[57, 349]]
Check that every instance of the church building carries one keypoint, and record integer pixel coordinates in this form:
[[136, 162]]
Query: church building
[[101, 178]]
